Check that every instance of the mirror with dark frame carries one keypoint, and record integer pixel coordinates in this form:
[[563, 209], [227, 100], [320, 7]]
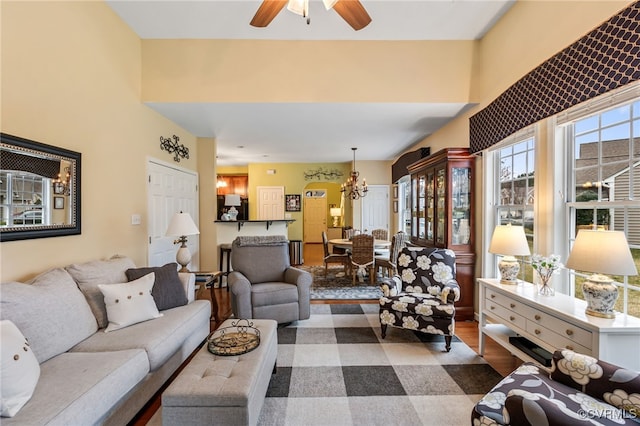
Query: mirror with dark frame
[[39, 190]]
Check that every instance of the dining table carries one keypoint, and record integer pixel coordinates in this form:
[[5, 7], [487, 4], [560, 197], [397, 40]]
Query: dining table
[[345, 243]]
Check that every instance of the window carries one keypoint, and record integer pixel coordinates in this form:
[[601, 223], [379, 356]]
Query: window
[[514, 177], [22, 199], [604, 190]]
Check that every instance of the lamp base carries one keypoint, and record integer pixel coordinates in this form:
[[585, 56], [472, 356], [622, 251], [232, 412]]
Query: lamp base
[[233, 213], [335, 221], [183, 257], [509, 268], [600, 294]]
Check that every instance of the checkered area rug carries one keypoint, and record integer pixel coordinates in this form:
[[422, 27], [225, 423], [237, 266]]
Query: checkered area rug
[[335, 369]]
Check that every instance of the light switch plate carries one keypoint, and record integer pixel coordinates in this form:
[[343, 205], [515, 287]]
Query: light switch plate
[[136, 219]]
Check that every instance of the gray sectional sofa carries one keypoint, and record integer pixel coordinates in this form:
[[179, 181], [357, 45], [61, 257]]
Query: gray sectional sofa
[[88, 376]]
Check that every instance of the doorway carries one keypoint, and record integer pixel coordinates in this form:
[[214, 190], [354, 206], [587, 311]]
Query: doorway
[[270, 202], [170, 190], [375, 209], [315, 215]]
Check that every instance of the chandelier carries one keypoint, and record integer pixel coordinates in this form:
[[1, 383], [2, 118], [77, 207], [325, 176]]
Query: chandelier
[[62, 185], [351, 188]]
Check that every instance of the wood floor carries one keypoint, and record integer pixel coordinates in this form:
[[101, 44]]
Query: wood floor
[[498, 357]]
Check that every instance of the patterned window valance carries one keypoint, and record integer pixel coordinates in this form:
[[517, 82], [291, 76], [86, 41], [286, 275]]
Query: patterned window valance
[[604, 59], [10, 160]]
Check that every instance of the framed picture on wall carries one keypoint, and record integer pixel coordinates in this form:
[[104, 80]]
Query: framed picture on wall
[[395, 191], [395, 206], [292, 202], [58, 202]]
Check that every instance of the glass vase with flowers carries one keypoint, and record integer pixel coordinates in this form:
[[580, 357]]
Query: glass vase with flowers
[[545, 267]]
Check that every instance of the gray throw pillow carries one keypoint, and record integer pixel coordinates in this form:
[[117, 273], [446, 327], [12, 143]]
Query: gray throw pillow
[[167, 290]]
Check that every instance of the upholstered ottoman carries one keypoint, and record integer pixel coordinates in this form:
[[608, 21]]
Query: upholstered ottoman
[[225, 390]]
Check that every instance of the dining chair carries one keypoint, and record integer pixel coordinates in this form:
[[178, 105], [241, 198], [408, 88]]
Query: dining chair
[[343, 259], [362, 258], [389, 262], [380, 234]]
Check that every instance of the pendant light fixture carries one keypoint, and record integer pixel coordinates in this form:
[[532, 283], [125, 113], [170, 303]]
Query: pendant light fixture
[[351, 188]]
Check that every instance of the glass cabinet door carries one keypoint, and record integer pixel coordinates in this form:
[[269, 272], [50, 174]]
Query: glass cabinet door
[[441, 198], [414, 206], [430, 212], [421, 207], [460, 202]]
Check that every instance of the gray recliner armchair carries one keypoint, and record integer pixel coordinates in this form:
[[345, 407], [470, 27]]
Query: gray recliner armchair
[[263, 284]]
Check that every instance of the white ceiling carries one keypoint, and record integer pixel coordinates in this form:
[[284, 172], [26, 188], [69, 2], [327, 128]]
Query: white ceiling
[[298, 132]]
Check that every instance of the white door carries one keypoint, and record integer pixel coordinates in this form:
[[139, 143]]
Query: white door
[[315, 218], [270, 202], [170, 190], [375, 208]]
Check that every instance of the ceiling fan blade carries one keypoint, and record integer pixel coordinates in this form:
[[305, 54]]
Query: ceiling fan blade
[[266, 12], [353, 12]]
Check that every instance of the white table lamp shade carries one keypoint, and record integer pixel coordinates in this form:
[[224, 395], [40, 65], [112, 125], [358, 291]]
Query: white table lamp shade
[[602, 252], [509, 241], [232, 200], [335, 211], [182, 224]]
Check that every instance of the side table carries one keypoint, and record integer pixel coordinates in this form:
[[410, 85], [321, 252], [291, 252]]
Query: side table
[[209, 279]]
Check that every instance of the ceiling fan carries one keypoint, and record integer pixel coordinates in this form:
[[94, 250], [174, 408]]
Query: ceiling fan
[[351, 11]]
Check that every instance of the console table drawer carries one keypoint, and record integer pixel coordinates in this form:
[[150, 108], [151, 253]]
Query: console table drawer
[[510, 317], [555, 340], [560, 327], [504, 301]]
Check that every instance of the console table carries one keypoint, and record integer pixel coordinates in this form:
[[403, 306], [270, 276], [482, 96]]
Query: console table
[[554, 322]]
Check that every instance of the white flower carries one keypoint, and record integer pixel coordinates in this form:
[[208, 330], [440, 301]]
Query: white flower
[[410, 323], [442, 273], [527, 369], [425, 310], [423, 262], [588, 404], [408, 276], [621, 399], [407, 299], [387, 318], [399, 306], [580, 367], [413, 289], [432, 330], [404, 260], [493, 400]]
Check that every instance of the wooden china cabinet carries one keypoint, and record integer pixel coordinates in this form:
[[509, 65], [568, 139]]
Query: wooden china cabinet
[[442, 214]]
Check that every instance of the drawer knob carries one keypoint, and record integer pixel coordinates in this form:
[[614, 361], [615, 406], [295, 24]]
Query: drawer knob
[[492, 307], [537, 317], [513, 305], [493, 296], [569, 347], [569, 332], [537, 331]]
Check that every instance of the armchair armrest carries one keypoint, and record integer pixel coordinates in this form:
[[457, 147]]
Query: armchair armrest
[[615, 385], [391, 286], [188, 280], [451, 291], [240, 289], [298, 277], [529, 409]]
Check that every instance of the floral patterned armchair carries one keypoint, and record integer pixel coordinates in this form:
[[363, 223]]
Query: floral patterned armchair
[[580, 390], [421, 296]]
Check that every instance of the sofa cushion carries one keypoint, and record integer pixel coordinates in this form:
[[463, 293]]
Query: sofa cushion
[[160, 338], [82, 388], [168, 291], [50, 311], [129, 303], [89, 274], [19, 369]]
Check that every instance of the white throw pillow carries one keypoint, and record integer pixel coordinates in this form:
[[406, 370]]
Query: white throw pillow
[[19, 369], [129, 303]]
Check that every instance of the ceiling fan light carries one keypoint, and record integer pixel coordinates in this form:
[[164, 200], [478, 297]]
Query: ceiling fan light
[[299, 7], [328, 4]]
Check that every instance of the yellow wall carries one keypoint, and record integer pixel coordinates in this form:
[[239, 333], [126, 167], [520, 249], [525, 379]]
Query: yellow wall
[[291, 176], [71, 77], [304, 71]]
